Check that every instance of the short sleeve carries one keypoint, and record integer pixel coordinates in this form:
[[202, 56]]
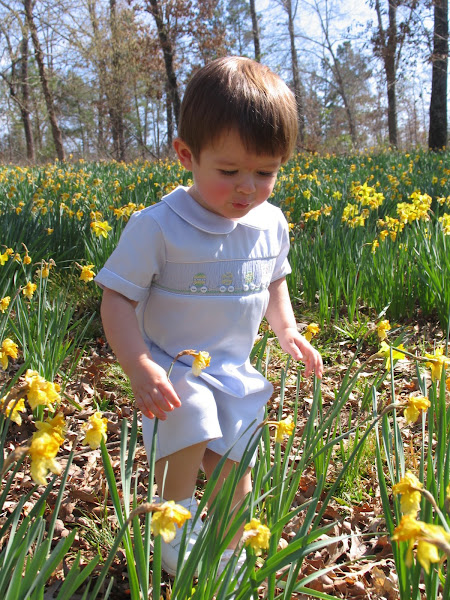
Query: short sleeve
[[282, 266], [137, 259]]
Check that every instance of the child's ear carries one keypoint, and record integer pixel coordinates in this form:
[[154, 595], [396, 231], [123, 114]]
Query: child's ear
[[183, 152]]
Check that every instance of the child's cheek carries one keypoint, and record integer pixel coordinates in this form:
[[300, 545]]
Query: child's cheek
[[220, 189]]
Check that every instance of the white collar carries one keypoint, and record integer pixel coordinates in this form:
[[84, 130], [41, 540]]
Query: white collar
[[191, 211]]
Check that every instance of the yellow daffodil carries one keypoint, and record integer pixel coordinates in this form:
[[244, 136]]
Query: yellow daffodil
[[201, 361], [4, 258], [40, 391], [26, 259], [87, 274], [12, 409], [44, 447], [96, 429], [396, 353], [436, 363], [312, 330], [4, 303], [101, 228], [166, 516], [382, 328], [415, 405], [283, 428], [29, 289], [425, 534], [409, 487], [7, 349], [257, 536]]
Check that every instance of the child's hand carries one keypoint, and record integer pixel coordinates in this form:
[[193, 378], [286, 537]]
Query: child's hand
[[300, 349], [153, 392]]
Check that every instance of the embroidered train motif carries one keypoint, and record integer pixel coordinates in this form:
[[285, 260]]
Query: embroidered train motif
[[226, 284]]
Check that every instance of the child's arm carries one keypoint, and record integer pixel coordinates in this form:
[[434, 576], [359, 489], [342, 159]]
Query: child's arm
[[153, 392], [281, 318]]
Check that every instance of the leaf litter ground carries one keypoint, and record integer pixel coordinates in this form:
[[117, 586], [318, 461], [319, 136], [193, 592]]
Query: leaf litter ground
[[361, 566]]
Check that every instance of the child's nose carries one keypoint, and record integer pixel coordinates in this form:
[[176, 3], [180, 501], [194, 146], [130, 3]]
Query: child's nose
[[246, 185]]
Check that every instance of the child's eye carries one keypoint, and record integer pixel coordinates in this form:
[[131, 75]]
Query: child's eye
[[224, 172], [266, 173]]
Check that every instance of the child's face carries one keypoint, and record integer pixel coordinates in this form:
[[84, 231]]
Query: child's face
[[228, 179]]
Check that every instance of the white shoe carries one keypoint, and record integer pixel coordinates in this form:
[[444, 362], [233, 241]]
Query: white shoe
[[225, 559], [171, 550]]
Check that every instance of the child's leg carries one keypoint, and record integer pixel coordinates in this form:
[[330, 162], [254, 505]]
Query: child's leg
[[178, 483], [244, 486]]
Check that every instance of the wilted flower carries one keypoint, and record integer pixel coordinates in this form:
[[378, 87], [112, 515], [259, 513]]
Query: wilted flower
[[12, 408], [95, 430], [87, 274], [257, 536], [4, 303], [382, 328], [437, 361], [40, 392], [166, 516], [45, 444], [101, 228], [201, 361], [7, 349], [415, 405], [312, 330], [409, 487], [29, 290], [426, 535]]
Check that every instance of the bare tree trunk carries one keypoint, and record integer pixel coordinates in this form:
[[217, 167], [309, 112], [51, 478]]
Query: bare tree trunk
[[388, 43], [168, 54], [255, 31], [116, 103], [437, 137], [19, 90], [298, 91], [25, 101], [169, 118], [48, 96]]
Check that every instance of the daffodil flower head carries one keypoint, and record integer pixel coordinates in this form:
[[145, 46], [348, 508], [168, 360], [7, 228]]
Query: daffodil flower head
[[437, 362], [416, 404], [101, 228], [8, 349], [4, 303], [12, 408], [382, 328], [201, 361], [283, 428], [409, 487], [40, 391], [385, 350], [44, 447], [312, 330], [87, 274], [257, 536], [426, 534], [166, 517], [96, 429], [29, 289]]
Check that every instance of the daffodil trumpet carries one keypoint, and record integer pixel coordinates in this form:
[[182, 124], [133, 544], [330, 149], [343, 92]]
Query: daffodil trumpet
[[201, 361]]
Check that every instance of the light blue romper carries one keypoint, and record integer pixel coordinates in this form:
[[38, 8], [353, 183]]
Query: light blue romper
[[201, 282]]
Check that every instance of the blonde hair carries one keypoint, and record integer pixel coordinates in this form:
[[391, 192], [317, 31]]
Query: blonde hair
[[236, 93]]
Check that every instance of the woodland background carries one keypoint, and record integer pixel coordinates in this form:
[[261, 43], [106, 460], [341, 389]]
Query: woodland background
[[102, 79]]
